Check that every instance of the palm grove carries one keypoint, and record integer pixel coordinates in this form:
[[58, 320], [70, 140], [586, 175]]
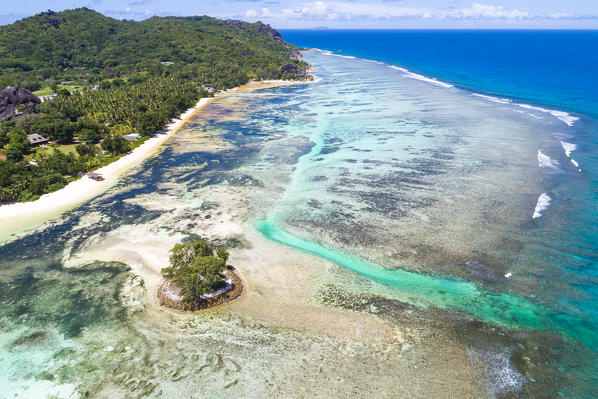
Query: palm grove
[[112, 78]]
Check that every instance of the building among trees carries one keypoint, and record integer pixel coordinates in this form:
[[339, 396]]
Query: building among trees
[[36, 139]]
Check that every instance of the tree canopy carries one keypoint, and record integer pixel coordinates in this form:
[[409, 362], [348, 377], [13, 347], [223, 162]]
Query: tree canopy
[[196, 269], [56, 46], [113, 78]]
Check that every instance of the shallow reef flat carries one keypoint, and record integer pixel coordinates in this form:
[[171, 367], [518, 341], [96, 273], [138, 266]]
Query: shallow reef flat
[[371, 217]]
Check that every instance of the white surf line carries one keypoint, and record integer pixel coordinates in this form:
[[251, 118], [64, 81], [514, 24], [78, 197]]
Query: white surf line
[[407, 73], [544, 161], [563, 116], [569, 148], [542, 204], [494, 99]]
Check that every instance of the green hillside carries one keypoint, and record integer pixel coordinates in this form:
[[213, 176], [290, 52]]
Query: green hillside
[[36, 50], [112, 78]]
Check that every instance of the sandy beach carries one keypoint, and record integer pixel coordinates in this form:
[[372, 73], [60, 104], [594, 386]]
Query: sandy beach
[[18, 217]]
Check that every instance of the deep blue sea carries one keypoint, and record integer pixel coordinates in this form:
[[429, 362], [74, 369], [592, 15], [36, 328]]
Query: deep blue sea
[[552, 68]]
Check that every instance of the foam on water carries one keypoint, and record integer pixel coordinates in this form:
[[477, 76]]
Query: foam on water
[[561, 115], [502, 375], [493, 99], [416, 76], [327, 52], [544, 161], [373, 61], [542, 204], [569, 148], [363, 189]]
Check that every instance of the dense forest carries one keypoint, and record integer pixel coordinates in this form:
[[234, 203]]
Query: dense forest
[[108, 78]]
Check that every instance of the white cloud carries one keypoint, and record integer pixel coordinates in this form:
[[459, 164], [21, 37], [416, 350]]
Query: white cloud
[[336, 10], [266, 13], [481, 11]]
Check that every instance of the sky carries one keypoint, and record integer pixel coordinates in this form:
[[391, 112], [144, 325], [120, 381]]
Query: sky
[[343, 14]]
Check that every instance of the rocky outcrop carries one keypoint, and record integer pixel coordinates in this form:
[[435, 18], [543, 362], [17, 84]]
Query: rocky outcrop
[[236, 23], [269, 31], [12, 97], [292, 69], [262, 28]]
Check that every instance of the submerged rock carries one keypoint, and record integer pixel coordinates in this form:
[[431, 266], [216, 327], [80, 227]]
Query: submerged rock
[[36, 338], [481, 271]]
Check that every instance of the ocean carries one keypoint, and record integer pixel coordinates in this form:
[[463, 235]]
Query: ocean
[[547, 68], [423, 212], [551, 72]]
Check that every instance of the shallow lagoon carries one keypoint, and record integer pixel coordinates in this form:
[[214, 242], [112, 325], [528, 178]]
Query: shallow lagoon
[[365, 167]]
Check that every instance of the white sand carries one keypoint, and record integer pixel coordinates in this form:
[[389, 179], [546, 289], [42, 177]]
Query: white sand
[[21, 216]]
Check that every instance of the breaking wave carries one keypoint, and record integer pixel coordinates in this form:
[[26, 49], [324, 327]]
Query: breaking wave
[[544, 161], [422, 78], [542, 204], [493, 99], [561, 115], [569, 148]]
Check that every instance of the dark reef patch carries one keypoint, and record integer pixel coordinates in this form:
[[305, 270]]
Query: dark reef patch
[[36, 338]]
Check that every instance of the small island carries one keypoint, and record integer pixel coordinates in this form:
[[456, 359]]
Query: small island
[[198, 278]]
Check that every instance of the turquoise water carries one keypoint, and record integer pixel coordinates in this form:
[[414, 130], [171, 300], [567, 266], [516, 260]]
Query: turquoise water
[[508, 310], [425, 193], [505, 309], [552, 281], [550, 69]]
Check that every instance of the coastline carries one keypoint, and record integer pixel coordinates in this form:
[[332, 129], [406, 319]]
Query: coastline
[[21, 216], [18, 217], [286, 297]]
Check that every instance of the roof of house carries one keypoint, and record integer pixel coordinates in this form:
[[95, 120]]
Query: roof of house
[[95, 176], [132, 136], [36, 138]]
